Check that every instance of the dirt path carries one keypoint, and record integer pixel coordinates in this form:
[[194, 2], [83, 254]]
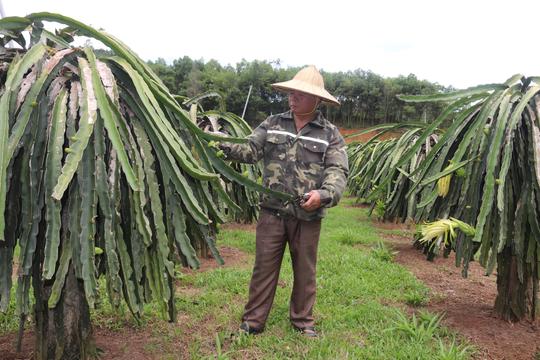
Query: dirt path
[[467, 303]]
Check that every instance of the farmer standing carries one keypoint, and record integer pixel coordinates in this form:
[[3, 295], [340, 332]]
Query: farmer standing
[[303, 153]]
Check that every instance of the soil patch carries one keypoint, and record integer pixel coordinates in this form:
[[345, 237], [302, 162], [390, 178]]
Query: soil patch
[[357, 205], [127, 344], [467, 303], [231, 256], [366, 137], [406, 228]]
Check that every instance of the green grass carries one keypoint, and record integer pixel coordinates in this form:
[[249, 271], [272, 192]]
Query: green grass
[[9, 321], [361, 309], [355, 286]]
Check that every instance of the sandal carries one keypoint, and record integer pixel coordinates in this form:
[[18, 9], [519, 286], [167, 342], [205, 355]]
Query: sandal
[[307, 331]]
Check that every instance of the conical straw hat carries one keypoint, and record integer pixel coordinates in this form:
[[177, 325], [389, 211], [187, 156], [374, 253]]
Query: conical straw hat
[[310, 81]]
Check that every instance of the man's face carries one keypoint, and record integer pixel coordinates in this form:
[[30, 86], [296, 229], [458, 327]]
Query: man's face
[[301, 102]]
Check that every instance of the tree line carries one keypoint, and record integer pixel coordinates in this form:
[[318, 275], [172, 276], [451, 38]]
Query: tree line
[[366, 98]]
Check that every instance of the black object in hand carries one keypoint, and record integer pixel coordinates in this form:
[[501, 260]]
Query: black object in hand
[[301, 199]]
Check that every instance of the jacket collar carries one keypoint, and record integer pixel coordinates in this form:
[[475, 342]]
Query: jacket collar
[[318, 121]]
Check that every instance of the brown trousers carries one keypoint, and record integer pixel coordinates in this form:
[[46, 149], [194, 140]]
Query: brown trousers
[[273, 232]]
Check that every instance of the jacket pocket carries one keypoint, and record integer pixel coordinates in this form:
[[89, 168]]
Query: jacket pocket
[[313, 152], [276, 146]]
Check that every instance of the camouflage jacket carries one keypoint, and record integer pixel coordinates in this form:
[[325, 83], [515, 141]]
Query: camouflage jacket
[[296, 163]]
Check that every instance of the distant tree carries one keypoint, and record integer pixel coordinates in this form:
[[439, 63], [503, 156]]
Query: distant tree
[[165, 72], [366, 98]]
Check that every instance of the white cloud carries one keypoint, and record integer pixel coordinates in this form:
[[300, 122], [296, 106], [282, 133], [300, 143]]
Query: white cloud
[[460, 43]]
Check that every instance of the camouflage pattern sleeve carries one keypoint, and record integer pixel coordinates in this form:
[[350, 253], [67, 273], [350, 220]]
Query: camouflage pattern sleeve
[[252, 151], [336, 170]]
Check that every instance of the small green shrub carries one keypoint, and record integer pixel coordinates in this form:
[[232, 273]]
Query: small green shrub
[[350, 237], [380, 209], [416, 298], [381, 252], [421, 328], [454, 351]]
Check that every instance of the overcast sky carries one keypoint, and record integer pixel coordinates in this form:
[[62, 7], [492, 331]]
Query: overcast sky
[[460, 43]]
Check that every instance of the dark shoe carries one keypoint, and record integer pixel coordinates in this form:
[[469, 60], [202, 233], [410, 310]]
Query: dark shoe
[[307, 331], [248, 330]]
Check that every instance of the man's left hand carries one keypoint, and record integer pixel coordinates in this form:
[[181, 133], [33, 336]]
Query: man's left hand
[[313, 202]]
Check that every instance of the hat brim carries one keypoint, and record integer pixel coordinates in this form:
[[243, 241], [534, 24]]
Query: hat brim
[[302, 86]]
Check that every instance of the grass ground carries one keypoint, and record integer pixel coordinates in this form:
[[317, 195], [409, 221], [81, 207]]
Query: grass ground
[[368, 307], [361, 302]]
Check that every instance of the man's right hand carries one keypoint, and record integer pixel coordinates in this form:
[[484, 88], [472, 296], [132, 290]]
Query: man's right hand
[[313, 201]]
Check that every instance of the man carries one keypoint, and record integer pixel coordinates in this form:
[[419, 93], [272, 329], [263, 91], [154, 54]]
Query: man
[[303, 153]]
